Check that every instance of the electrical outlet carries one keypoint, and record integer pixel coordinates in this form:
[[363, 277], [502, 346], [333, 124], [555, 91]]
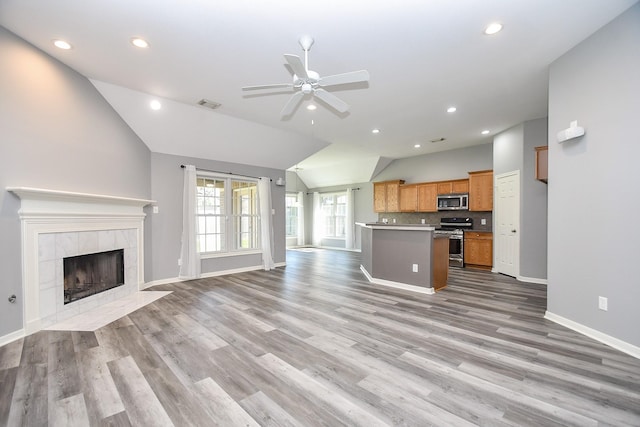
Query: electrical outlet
[[483, 221], [156, 209], [415, 268], [179, 262], [602, 303]]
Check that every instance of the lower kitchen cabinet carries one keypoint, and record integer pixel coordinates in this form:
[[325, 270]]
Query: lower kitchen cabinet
[[478, 249]]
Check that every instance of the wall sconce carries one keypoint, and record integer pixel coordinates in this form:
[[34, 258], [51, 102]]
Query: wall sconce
[[573, 131]]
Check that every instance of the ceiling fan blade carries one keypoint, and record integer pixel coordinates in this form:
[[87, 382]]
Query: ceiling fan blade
[[273, 86], [344, 78], [291, 105], [296, 65], [333, 101]]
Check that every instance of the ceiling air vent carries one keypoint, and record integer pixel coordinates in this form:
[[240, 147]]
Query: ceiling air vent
[[209, 104], [439, 140]]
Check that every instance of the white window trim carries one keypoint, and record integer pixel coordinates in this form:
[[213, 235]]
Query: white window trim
[[233, 252]]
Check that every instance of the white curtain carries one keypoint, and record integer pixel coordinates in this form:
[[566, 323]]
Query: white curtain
[[318, 221], [350, 222], [189, 256], [301, 230], [266, 222]]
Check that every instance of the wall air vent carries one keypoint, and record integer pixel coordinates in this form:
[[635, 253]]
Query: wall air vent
[[209, 104]]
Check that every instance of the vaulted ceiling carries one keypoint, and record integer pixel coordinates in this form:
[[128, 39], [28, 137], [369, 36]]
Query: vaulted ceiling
[[422, 56]]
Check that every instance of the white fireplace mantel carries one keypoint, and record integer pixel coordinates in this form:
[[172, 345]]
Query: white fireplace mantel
[[44, 202], [43, 212]]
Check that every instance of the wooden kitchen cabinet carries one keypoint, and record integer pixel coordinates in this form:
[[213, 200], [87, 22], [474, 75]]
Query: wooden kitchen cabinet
[[481, 191], [386, 196], [478, 249], [455, 186], [408, 198], [542, 163], [427, 197]]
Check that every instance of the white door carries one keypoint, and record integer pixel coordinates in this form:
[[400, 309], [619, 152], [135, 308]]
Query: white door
[[507, 221]]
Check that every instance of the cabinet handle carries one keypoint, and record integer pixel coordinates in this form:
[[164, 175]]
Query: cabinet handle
[[513, 231]]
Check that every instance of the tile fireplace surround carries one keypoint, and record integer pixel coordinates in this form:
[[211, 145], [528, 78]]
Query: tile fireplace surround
[[59, 224]]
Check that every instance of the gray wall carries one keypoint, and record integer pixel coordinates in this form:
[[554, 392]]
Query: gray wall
[[533, 212], [597, 84], [57, 133], [513, 149], [166, 225], [454, 164]]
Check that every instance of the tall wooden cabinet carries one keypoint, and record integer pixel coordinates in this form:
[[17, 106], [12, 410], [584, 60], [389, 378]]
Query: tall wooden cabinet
[[408, 198], [386, 196], [542, 163], [481, 191], [427, 197]]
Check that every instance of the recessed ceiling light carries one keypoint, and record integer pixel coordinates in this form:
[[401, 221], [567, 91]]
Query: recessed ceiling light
[[451, 110], [138, 42], [155, 104], [485, 132], [375, 131], [311, 107], [493, 28], [417, 146], [61, 44]]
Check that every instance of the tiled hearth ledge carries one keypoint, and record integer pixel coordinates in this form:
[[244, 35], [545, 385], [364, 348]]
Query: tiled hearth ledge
[[47, 214]]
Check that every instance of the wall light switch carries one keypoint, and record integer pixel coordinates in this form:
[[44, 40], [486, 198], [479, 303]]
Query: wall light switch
[[415, 268], [602, 303], [156, 209]]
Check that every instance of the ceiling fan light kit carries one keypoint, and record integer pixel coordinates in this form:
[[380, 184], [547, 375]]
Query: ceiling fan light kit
[[309, 82]]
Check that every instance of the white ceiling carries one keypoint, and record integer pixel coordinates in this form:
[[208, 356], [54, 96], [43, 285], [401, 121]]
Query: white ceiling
[[423, 56]]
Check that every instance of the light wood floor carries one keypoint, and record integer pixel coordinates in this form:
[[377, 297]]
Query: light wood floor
[[314, 344]]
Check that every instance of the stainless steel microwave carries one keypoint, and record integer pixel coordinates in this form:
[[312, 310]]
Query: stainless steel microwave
[[453, 202]]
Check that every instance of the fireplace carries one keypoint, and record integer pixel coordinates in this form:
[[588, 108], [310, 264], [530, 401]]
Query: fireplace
[[86, 275], [60, 225]]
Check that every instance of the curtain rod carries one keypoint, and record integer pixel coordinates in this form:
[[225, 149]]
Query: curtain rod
[[325, 192], [226, 173]]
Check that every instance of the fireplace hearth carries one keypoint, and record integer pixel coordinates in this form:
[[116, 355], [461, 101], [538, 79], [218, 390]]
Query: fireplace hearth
[[90, 274]]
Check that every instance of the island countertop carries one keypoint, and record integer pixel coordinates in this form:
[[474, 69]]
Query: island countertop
[[382, 225]]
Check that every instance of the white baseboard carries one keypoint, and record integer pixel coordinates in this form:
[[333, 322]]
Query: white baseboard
[[397, 285], [532, 280], [623, 346], [16, 335], [206, 275]]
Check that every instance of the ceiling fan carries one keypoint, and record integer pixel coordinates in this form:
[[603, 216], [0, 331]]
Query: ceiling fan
[[306, 81]]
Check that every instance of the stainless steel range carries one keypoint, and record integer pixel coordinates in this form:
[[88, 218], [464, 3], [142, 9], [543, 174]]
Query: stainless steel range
[[454, 228]]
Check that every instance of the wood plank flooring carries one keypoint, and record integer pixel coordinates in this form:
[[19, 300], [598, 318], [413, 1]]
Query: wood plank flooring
[[314, 344]]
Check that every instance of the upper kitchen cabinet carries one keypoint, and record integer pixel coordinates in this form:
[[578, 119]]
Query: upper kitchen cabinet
[[542, 166], [408, 198], [386, 196], [455, 186], [481, 191], [427, 197]]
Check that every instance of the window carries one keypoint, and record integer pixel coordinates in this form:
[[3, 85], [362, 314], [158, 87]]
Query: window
[[334, 212], [291, 204], [227, 214]]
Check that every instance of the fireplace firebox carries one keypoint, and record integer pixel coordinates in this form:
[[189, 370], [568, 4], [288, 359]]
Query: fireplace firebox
[[87, 275]]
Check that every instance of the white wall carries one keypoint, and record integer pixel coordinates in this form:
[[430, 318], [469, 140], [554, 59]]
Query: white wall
[[593, 181]]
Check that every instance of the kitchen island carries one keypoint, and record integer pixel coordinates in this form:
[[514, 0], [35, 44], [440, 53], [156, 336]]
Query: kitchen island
[[406, 256]]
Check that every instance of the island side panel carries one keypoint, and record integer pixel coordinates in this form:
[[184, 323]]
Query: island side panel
[[395, 251], [366, 250]]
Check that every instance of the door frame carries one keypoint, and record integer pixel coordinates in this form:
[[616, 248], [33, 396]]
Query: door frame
[[496, 217]]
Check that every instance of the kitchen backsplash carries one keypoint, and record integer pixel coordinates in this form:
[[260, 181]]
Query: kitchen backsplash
[[434, 218]]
